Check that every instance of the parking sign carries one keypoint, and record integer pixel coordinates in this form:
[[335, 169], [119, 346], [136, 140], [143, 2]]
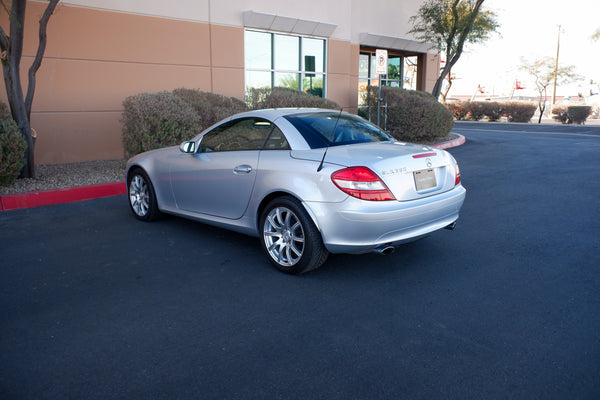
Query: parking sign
[[381, 64]]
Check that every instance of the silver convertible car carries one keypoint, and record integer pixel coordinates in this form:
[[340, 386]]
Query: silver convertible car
[[308, 182]]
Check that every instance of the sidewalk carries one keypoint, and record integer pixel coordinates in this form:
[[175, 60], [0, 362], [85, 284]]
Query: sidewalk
[[79, 193]]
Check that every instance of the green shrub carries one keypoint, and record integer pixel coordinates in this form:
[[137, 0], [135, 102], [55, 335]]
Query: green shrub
[[12, 148], [210, 107], [151, 121], [559, 113], [518, 111], [4, 111], [458, 109], [492, 110], [476, 110], [281, 97], [571, 114], [411, 115]]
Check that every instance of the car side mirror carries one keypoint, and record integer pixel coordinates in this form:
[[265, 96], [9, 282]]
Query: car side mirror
[[188, 147]]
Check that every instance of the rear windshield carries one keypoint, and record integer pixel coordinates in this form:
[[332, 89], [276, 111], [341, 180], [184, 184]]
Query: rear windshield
[[323, 129]]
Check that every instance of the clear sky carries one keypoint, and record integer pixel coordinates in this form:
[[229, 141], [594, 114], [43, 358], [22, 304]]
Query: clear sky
[[529, 28]]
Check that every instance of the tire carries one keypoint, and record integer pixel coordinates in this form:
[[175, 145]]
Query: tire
[[289, 237], [142, 198]]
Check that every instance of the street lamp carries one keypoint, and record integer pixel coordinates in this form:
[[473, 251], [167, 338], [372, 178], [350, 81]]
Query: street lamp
[[556, 67]]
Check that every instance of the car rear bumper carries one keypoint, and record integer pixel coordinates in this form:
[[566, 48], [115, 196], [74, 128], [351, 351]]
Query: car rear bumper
[[358, 226]]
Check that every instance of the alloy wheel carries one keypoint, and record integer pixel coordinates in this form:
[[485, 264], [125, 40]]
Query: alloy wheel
[[284, 236]]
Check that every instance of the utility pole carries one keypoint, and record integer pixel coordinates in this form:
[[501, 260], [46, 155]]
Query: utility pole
[[556, 67]]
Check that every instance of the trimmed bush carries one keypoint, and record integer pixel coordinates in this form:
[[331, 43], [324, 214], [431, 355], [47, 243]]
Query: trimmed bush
[[152, 121], [571, 114], [492, 110], [4, 111], [559, 113], [210, 107], [458, 110], [411, 115], [281, 97], [518, 111], [476, 110], [12, 147]]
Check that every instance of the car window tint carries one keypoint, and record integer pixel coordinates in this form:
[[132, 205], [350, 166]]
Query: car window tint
[[334, 129], [237, 135], [277, 141]]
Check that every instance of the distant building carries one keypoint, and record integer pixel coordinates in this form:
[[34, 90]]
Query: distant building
[[100, 52]]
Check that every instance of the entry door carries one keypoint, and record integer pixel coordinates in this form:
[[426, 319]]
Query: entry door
[[218, 179]]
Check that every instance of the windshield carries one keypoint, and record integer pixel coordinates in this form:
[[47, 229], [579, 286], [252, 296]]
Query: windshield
[[324, 129]]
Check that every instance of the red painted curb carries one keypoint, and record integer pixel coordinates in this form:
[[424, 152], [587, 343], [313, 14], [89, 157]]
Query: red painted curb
[[452, 143], [66, 195]]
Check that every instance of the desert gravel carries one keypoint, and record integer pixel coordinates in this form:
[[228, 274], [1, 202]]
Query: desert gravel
[[57, 176]]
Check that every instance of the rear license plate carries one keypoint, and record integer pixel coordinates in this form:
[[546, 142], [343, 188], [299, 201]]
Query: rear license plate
[[425, 179]]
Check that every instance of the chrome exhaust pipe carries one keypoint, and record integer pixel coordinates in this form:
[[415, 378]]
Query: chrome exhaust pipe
[[385, 250], [451, 226]]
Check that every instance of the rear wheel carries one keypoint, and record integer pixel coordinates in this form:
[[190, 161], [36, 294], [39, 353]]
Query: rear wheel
[[290, 238], [142, 197]]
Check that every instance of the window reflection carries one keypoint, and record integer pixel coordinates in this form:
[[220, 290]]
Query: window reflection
[[257, 53], [297, 62], [287, 52]]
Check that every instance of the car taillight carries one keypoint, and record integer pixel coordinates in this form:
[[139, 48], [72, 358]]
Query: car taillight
[[457, 172], [362, 183]]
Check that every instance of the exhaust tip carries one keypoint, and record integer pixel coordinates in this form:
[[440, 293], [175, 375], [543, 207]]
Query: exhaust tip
[[451, 226], [385, 250]]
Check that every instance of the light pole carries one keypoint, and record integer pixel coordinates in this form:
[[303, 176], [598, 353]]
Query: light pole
[[556, 67]]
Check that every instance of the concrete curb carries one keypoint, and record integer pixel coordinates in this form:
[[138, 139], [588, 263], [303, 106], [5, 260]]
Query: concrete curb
[[452, 143], [79, 193]]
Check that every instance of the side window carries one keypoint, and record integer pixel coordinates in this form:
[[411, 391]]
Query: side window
[[277, 141], [237, 135]]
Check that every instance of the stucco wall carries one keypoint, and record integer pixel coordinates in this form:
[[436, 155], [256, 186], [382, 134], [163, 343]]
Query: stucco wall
[[96, 57]]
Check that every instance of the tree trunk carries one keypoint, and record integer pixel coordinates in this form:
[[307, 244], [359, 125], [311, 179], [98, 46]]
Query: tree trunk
[[542, 105], [445, 94], [12, 50]]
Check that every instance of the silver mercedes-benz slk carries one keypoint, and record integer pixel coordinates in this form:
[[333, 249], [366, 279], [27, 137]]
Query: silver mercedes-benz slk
[[308, 182]]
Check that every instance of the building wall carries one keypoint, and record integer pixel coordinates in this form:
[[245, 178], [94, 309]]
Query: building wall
[[96, 57]]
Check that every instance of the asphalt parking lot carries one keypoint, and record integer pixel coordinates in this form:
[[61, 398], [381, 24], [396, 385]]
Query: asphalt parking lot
[[97, 305]]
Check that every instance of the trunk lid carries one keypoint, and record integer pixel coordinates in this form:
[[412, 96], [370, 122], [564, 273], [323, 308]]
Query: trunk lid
[[410, 171]]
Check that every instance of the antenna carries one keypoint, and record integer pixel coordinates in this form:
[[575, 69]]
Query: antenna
[[333, 136]]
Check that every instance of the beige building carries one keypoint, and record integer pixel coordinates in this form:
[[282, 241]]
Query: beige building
[[100, 52]]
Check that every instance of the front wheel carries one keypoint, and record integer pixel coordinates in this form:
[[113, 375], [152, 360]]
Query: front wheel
[[142, 197], [290, 238]]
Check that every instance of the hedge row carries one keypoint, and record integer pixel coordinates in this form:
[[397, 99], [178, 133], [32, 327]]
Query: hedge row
[[514, 111], [281, 97], [12, 147], [410, 115], [155, 120], [571, 114]]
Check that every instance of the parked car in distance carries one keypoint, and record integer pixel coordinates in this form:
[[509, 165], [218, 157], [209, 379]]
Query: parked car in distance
[[307, 182]]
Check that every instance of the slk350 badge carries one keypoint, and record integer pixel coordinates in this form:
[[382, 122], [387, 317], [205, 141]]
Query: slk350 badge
[[394, 171]]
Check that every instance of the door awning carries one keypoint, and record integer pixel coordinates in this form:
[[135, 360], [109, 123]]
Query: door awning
[[395, 43], [272, 22]]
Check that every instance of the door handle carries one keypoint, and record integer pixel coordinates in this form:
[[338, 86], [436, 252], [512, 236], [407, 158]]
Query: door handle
[[242, 169]]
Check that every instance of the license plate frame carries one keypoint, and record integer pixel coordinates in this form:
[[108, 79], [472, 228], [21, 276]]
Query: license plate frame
[[425, 179]]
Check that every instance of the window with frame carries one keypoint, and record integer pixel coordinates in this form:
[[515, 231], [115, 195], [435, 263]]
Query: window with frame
[[292, 61], [244, 134]]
